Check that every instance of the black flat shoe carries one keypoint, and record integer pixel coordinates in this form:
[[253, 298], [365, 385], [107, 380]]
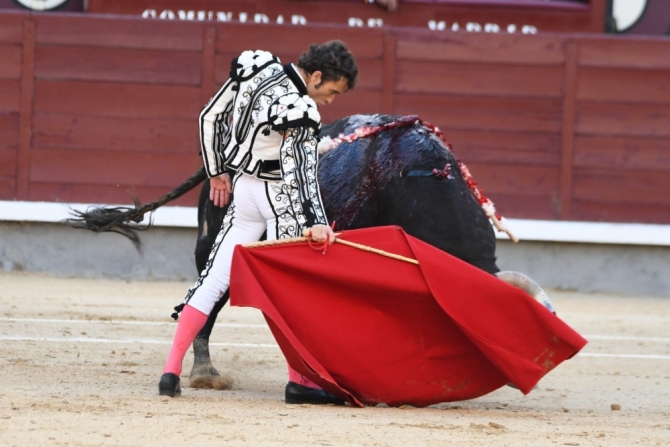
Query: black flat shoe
[[299, 394], [169, 385]]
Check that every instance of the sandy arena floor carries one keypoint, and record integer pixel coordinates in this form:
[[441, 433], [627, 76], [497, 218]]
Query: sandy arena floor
[[80, 361]]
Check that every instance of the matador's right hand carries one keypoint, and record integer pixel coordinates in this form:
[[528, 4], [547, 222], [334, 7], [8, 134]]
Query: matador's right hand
[[220, 190], [322, 233]]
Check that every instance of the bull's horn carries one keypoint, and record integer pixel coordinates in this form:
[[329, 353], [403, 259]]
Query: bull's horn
[[526, 284]]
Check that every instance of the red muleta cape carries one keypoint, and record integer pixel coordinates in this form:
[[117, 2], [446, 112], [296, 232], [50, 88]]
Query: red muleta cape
[[373, 329]]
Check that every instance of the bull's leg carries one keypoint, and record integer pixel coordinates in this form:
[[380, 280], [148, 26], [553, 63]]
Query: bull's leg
[[529, 286], [203, 374]]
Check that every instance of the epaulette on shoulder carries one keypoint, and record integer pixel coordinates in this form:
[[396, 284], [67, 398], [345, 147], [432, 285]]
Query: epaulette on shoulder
[[249, 63], [293, 110]]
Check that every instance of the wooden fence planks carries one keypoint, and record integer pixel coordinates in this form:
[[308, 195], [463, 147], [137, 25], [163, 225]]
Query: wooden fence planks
[[9, 126], [207, 86], [568, 128], [537, 181], [519, 190], [473, 79], [74, 166], [504, 140], [7, 163], [552, 126], [620, 212], [625, 85], [508, 157], [632, 52], [7, 189], [505, 148], [114, 32], [605, 185], [623, 153], [25, 111], [481, 48], [11, 27], [483, 113], [621, 119], [388, 74], [162, 135], [10, 92], [365, 43], [10, 61], [118, 65], [96, 193], [527, 207], [117, 100]]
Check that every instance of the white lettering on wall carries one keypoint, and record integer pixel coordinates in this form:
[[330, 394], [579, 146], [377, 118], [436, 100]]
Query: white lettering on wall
[[186, 15], [167, 15], [473, 27], [437, 26], [243, 17], [224, 16], [261, 18], [491, 28], [298, 20]]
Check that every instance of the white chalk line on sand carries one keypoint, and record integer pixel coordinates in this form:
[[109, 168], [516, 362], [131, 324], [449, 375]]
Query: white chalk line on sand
[[243, 325], [126, 341], [626, 338], [261, 345], [625, 356], [120, 322]]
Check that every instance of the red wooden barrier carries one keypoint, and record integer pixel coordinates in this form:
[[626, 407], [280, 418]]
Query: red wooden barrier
[[552, 126]]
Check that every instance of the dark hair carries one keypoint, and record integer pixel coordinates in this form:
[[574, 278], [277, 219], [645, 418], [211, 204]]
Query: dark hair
[[333, 59]]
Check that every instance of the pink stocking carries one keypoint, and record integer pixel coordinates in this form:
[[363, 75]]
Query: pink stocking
[[190, 323], [295, 377]]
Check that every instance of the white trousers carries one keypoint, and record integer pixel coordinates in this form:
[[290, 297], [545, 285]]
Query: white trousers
[[257, 206]]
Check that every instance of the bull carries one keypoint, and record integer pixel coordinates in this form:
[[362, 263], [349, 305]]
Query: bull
[[401, 173], [387, 171]]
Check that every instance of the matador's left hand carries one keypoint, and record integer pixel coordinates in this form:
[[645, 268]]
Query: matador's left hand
[[220, 190]]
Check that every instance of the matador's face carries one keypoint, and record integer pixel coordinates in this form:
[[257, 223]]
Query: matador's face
[[324, 92]]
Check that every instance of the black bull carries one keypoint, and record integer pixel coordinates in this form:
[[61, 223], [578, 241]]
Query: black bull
[[386, 179]]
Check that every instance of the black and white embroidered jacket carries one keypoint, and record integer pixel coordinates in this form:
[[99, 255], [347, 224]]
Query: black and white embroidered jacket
[[262, 117]]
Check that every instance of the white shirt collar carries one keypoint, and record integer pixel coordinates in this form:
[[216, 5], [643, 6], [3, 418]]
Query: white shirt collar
[[296, 70]]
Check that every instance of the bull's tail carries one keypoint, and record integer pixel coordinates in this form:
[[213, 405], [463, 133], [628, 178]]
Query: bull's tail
[[120, 219]]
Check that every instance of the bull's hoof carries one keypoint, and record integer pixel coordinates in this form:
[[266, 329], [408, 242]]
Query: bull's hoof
[[208, 377], [511, 385], [222, 383]]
